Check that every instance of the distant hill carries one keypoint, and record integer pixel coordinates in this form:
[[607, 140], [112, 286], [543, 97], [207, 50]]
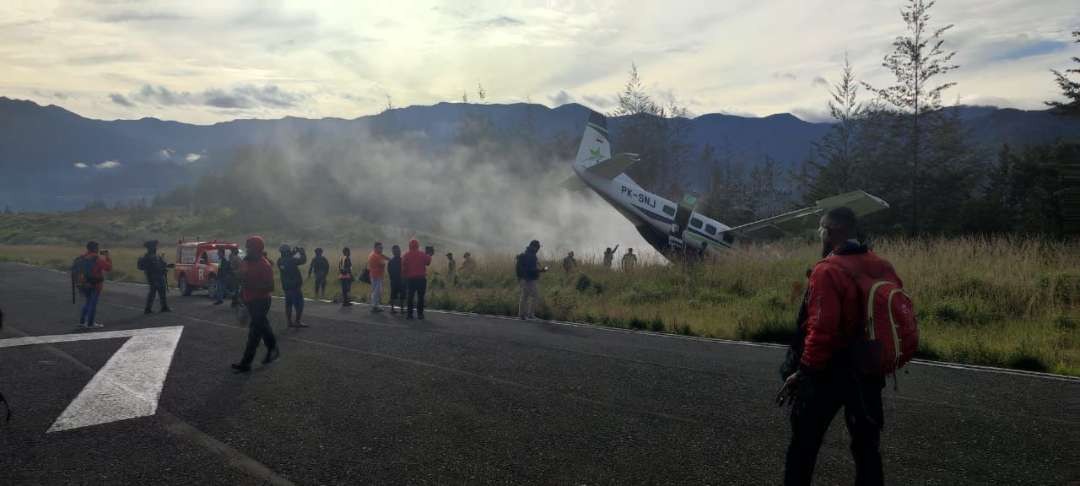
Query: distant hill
[[40, 146]]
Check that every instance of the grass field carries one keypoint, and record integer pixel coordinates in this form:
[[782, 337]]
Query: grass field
[[1001, 302]]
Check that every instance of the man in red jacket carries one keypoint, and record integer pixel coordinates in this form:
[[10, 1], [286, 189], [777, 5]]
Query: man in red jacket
[[89, 276], [821, 374], [256, 276], [414, 265]]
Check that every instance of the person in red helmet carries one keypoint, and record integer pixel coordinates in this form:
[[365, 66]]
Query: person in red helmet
[[257, 282], [414, 268]]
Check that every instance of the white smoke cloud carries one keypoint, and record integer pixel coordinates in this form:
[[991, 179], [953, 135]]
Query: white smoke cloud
[[81, 165], [189, 158], [108, 164], [491, 197]]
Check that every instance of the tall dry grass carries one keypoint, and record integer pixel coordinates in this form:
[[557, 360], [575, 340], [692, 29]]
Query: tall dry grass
[[1010, 302]]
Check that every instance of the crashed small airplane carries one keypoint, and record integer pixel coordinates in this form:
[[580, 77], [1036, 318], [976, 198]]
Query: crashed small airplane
[[673, 228]]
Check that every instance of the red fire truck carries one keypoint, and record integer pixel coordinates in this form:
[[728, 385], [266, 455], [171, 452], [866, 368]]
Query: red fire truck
[[197, 264]]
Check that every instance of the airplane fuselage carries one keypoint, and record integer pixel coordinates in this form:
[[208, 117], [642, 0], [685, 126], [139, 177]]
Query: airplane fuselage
[[663, 223]]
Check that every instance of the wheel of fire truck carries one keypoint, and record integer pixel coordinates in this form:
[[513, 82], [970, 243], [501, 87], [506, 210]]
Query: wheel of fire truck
[[185, 289]]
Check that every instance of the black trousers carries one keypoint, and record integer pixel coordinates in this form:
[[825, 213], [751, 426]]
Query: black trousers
[[320, 284], [397, 292], [158, 288], [346, 286], [415, 287], [259, 329], [819, 397]]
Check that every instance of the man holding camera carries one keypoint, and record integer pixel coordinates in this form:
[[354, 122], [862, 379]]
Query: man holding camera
[[414, 268], [156, 270], [528, 272], [88, 275], [292, 282]]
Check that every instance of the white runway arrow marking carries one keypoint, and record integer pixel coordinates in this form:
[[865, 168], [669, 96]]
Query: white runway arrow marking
[[130, 383]]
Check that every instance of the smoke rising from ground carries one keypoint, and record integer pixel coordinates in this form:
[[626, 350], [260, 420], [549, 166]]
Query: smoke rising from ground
[[491, 193]]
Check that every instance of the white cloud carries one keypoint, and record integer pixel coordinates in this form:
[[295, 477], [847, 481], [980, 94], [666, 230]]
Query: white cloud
[[81, 165], [225, 60], [189, 158], [108, 164]]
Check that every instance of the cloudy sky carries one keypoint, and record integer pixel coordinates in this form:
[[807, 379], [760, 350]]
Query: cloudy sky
[[224, 60]]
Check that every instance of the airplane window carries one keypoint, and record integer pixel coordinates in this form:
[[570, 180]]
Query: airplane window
[[695, 223], [670, 211], [710, 229]]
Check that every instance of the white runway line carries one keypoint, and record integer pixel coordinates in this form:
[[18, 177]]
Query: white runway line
[[130, 383]]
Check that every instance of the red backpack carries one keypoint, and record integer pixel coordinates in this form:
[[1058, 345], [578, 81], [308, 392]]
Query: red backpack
[[891, 334]]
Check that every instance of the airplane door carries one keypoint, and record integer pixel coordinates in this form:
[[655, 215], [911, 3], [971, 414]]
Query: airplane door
[[682, 220]]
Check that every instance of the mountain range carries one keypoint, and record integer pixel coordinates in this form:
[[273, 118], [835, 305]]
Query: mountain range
[[54, 159]]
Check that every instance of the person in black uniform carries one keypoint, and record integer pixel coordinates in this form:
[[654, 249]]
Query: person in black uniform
[[320, 266], [397, 284], [156, 270]]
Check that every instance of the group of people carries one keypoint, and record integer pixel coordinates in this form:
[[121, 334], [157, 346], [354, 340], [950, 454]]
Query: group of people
[[821, 374], [628, 262], [406, 274]]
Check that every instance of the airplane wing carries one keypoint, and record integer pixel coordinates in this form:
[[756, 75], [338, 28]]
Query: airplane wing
[[806, 219]]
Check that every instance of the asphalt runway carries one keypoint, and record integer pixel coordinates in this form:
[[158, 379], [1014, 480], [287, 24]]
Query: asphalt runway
[[375, 399]]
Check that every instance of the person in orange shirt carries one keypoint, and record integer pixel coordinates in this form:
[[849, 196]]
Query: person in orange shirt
[[376, 264]]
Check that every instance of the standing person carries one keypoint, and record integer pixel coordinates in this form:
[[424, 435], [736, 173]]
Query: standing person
[[397, 284], [609, 256], [257, 283], [414, 268], [321, 267], [528, 272], [568, 263], [223, 276], [376, 270], [156, 270], [468, 265], [345, 276], [234, 280], [292, 282], [821, 376], [88, 275], [629, 260], [451, 269]]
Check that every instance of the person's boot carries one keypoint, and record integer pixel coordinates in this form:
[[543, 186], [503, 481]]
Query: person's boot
[[241, 368], [271, 355], [148, 311], [299, 323], [165, 309]]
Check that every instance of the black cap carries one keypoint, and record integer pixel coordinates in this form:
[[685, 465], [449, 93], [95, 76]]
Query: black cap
[[150, 244], [534, 243]]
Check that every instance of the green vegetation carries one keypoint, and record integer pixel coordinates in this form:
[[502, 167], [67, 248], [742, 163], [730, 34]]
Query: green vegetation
[[1001, 302]]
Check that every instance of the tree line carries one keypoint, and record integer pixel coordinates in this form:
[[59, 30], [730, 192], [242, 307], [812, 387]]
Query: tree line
[[901, 144]]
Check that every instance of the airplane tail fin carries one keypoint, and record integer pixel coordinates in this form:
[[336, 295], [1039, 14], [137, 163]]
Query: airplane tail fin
[[594, 147]]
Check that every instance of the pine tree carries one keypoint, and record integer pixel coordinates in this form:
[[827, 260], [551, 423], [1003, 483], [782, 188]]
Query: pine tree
[[916, 59], [832, 168], [657, 133], [1069, 88]]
